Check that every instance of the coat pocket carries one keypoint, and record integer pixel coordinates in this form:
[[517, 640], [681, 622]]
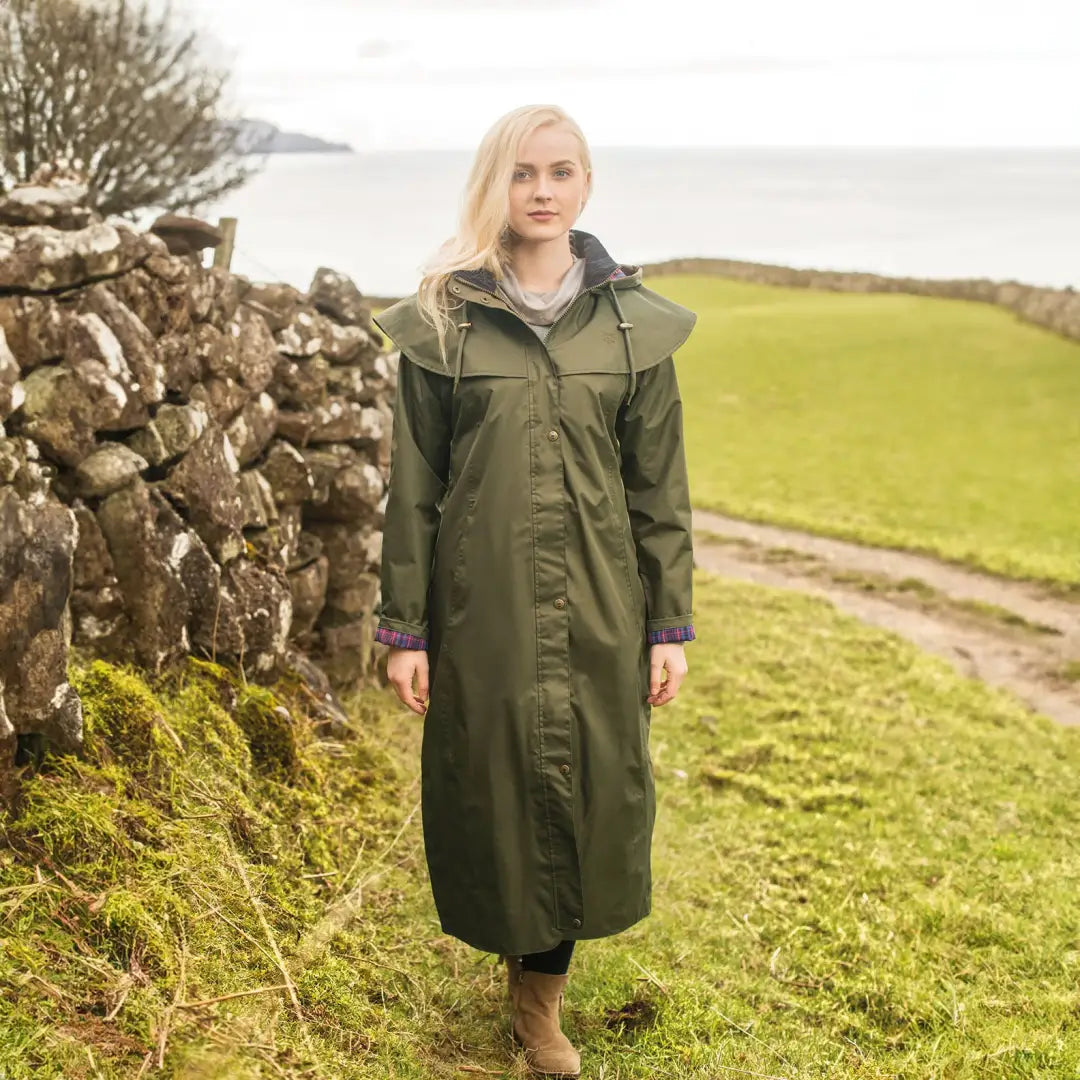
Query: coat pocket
[[618, 511]]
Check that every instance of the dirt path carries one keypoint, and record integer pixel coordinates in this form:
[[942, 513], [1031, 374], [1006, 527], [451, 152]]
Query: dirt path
[[1008, 633]]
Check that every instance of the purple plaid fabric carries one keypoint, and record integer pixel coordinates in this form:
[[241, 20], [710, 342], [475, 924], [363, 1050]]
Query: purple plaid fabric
[[400, 640], [671, 633]]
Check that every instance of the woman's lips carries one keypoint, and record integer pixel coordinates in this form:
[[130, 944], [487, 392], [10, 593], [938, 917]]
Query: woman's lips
[[542, 215]]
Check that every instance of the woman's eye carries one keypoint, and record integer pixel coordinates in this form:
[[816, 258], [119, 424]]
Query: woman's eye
[[521, 174], [565, 172]]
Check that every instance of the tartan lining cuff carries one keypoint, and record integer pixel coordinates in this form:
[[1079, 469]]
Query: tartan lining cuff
[[399, 639], [670, 634]]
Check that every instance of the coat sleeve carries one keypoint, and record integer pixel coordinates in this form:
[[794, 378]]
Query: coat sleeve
[[654, 476], [419, 465]]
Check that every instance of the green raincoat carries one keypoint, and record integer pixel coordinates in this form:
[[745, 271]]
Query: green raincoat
[[537, 537]]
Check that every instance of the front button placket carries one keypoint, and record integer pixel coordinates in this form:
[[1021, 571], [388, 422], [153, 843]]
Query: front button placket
[[554, 735]]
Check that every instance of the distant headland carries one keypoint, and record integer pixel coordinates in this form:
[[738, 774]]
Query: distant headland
[[267, 138]]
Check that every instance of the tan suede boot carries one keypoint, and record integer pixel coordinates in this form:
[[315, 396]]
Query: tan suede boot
[[537, 999]]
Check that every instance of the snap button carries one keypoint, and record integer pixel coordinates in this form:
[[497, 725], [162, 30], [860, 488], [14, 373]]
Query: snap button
[[560, 603], [455, 288], [484, 300], [577, 922], [553, 435], [564, 769]]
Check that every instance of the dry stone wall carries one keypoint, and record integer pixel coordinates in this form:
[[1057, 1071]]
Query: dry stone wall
[[1054, 309], [190, 462]]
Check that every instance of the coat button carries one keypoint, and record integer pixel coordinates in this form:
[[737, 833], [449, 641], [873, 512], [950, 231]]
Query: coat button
[[560, 603], [484, 300], [564, 769], [553, 435], [577, 922]]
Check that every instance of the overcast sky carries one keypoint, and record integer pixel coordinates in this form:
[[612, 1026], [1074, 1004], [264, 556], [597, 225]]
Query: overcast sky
[[436, 73]]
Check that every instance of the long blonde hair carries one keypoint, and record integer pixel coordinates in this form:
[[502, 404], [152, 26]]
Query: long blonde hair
[[482, 240]]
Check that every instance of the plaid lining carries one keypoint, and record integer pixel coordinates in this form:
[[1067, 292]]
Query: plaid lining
[[671, 633], [616, 274], [399, 639]]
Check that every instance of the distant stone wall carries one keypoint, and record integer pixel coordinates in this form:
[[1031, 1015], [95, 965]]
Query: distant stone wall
[[189, 462], [1054, 309]]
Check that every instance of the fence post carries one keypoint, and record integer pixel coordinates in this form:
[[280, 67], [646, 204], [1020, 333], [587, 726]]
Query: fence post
[[224, 251]]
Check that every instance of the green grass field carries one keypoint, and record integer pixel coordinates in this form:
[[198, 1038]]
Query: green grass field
[[935, 425], [865, 867]]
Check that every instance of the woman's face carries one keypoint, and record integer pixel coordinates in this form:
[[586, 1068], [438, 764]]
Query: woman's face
[[549, 185]]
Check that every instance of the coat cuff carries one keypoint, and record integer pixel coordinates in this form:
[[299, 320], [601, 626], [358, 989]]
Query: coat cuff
[[671, 633], [401, 639]]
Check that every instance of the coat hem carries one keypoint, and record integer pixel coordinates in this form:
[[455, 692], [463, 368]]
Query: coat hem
[[560, 935]]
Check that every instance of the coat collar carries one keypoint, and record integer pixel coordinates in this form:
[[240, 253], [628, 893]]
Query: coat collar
[[599, 265]]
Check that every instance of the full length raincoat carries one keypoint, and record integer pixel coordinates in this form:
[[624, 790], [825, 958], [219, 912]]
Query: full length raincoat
[[537, 538]]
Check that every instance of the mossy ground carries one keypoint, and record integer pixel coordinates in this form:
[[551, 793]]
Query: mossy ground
[[865, 866]]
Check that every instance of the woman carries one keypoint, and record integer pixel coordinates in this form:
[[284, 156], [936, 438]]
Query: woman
[[537, 555]]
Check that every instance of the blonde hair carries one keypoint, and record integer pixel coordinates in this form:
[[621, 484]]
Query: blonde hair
[[482, 238]]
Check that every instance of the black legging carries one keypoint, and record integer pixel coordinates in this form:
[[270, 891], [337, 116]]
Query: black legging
[[552, 962]]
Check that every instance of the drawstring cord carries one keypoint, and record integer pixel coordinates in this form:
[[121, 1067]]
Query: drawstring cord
[[625, 327], [464, 327]]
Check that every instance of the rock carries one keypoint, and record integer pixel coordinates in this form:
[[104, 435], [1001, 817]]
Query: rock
[[34, 329], [40, 258], [305, 335], [385, 447], [344, 650], [253, 428], [347, 344], [160, 307], [99, 618], [288, 474], [179, 359], [276, 545], [301, 384], [332, 719], [136, 342], [66, 405], [355, 600], [174, 431], [257, 500], [353, 381], [226, 292], [309, 547], [336, 295], [99, 621], [308, 588], [88, 338], [22, 469], [107, 470], [351, 550], [254, 615], [61, 206], [12, 392], [222, 396], [93, 565], [136, 523], [255, 351], [347, 488], [37, 544], [276, 302], [336, 421], [206, 485], [175, 270], [184, 235]]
